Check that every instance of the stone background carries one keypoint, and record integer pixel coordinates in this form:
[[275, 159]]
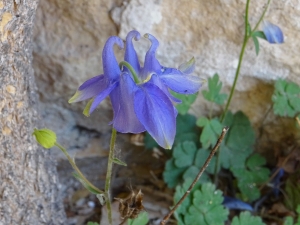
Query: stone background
[[69, 36]]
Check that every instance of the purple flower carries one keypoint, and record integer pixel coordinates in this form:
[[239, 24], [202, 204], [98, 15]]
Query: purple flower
[[273, 33], [140, 95]]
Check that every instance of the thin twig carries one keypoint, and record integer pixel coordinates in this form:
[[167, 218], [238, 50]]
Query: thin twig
[[224, 131]]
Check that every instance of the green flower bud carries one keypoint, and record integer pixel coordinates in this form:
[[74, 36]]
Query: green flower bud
[[45, 137]]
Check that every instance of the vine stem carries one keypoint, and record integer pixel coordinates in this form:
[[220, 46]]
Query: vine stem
[[73, 164], [109, 173], [224, 131]]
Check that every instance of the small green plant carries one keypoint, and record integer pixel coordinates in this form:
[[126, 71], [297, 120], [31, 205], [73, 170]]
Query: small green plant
[[245, 218], [286, 98], [290, 221], [202, 206]]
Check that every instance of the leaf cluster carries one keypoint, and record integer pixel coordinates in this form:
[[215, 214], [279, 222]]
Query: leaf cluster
[[185, 163], [286, 98], [213, 93], [202, 206], [250, 177]]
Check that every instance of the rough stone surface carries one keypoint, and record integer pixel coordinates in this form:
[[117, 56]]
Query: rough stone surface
[[29, 181]]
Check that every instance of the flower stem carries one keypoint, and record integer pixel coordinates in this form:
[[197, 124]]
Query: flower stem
[[224, 131], [108, 174], [262, 16], [237, 73], [73, 164], [132, 71]]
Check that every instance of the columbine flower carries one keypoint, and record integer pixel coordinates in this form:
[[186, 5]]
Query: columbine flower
[[273, 33], [140, 96]]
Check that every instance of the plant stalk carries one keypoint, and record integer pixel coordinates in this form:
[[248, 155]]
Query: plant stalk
[[108, 175], [73, 164]]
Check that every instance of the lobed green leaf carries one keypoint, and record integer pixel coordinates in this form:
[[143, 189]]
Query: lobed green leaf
[[213, 93], [245, 218]]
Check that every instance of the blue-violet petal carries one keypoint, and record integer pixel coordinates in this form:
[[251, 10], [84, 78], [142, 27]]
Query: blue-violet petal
[[90, 88], [179, 82], [122, 98], [156, 112], [273, 33], [110, 64], [130, 53]]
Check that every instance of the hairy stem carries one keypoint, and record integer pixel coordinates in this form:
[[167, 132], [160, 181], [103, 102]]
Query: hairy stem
[[166, 218], [108, 174], [72, 162]]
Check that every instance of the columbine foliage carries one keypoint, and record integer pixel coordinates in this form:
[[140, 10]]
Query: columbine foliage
[[292, 190], [210, 132], [142, 219], [245, 218], [213, 93], [239, 141], [290, 221], [185, 163], [250, 177], [186, 102], [286, 98], [202, 206]]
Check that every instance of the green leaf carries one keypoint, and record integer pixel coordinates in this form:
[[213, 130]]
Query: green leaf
[[92, 223], [184, 154], [180, 191], [142, 219], [118, 161], [288, 220], [213, 93], [173, 175], [256, 44], [203, 206], [186, 102], [292, 190], [86, 185], [286, 98], [249, 178], [186, 129], [259, 34], [183, 164], [45, 137], [239, 141], [245, 218], [200, 159], [210, 132]]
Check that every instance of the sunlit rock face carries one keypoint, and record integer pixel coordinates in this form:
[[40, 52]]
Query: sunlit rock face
[[69, 37]]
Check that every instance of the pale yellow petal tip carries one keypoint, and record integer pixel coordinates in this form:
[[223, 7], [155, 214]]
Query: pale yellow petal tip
[[169, 147], [87, 108], [75, 97]]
